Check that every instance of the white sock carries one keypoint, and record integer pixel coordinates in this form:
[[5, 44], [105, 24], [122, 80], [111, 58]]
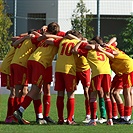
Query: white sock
[[115, 117], [127, 118], [88, 116], [21, 109], [40, 115]]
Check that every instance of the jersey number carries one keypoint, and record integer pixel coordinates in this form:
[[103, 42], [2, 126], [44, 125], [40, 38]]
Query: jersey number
[[100, 56], [66, 49]]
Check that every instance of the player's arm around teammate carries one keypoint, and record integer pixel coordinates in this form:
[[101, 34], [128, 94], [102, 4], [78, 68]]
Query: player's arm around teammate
[[97, 60]]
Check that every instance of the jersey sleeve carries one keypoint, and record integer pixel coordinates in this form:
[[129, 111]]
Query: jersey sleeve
[[82, 50], [57, 42], [108, 49], [34, 40], [61, 33], [113, 44]]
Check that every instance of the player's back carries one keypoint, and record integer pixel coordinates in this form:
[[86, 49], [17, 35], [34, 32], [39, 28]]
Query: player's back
[[5, 66], [22, 53], [99, 62], [66, 60], [121, 62]]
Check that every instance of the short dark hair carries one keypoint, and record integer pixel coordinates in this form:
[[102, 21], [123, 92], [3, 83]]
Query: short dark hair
[[92, 42], [98, 39], [30, 31], [53, 28], [75, 33]]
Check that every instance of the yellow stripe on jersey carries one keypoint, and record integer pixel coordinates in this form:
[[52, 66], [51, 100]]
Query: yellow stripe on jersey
[[23, 52], [44, 55], [39, 80], [8, 81], [129, 80], [24, 79], [74, 84]]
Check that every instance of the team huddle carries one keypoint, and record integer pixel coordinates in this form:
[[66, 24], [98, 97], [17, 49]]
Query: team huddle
[[29, 61]]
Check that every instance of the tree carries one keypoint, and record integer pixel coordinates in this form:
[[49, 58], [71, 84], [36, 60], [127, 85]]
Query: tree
[[5, 36], [127, 37], [81, 19]]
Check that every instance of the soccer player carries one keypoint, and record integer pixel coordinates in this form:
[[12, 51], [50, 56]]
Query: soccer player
[[100, 77], [122, 63], [24, 47], [39, 72], [65, 75], [117, 102], [50, 31], [83, 73], [102, 107], [6, 82]]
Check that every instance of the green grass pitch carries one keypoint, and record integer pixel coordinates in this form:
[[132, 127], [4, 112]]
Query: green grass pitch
[[79, 117]]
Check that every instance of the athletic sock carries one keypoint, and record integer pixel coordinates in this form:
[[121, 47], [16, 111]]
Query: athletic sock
[[38, 107], [21, 99], [108, 108], [102, 107], [60, 107], [93, 107], [121, 109], [114, 110], [127, 112], [26, 102], [46, 105], [16, 103], [87, 107], [10, 107], [70, 108]]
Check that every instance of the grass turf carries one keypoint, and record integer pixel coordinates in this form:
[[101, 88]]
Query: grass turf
[[79, 117]]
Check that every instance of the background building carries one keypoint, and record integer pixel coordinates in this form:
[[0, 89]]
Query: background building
[[29, 14], [36, 13]]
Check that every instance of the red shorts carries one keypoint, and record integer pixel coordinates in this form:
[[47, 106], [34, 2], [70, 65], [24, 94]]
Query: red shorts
[[65, 81], [84, 77], [102, 80], [6, 80], [38, 74], [117, 82], [127, 80], [18, 74]]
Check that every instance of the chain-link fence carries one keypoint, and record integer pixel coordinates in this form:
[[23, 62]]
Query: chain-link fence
[[35, 13], [109, 16]]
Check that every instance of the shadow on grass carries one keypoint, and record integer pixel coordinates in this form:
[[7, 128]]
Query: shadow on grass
[[34, 123]]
